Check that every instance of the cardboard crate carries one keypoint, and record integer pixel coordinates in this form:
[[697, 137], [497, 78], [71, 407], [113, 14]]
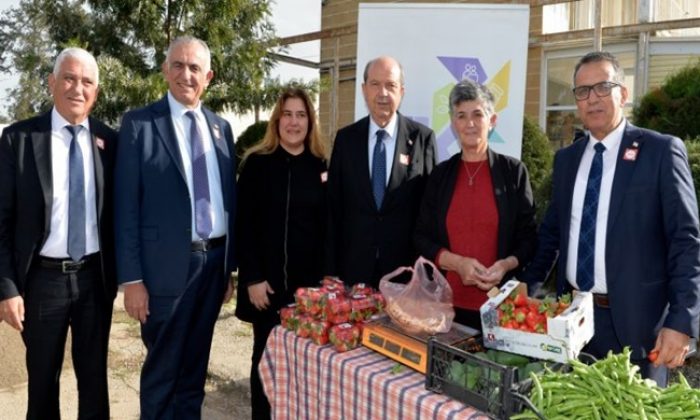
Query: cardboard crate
[[566, 333]]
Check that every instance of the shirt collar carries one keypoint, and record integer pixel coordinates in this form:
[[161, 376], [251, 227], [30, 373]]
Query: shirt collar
[[58, 122], [390, 127], [612, 140], [177, 109]]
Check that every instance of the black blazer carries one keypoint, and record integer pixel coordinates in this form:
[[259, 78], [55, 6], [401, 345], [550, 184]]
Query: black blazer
[[26, 194], [359, 234], [517, 229]]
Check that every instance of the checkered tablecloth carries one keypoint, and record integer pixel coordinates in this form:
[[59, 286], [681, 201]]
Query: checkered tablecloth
[[306, 381]]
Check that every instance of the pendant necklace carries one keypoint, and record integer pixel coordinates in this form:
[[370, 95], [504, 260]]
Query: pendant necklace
[[471, 176]]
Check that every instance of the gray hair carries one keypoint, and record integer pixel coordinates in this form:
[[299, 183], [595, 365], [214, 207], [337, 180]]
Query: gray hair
[[187, 39], [78, 54], [369, 64], [469, 90], [597, 56]]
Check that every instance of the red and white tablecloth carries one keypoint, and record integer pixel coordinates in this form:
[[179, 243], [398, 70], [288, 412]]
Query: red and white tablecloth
[[306, 381]]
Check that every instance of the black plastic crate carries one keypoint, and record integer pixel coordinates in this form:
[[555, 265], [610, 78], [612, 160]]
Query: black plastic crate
[[494, 392]]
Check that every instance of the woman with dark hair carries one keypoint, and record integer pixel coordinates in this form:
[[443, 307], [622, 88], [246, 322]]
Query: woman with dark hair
[[280, 222], [477, 218]]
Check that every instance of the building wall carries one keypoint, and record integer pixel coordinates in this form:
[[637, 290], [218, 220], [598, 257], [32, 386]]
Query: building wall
[[338, 13]]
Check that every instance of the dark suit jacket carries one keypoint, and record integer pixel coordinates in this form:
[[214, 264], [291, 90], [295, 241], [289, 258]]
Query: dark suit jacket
[[26, 195], [152, 204], [517, 230], [652, 252], [358, 231]]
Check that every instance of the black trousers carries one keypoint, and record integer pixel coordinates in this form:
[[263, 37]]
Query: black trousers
[[262, 327], [54, 302]]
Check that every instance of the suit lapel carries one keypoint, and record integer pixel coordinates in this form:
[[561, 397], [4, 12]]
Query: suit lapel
[[361, 159], [623, 172], [97, 151], [41, 143], [166, 132], [223, 154], [569, 181], [399, 168]]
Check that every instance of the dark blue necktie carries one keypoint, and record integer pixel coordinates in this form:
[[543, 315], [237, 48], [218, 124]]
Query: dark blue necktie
[[76, 197], [200, 180], [379, 169], [586, 236]]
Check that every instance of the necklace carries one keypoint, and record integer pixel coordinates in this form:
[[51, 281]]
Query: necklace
[[471, 176]]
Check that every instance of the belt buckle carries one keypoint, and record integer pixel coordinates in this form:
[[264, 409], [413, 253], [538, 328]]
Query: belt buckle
[[70, 267]]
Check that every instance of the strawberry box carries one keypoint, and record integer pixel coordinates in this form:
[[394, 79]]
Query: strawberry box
[[319, 332], [304, 329], [309, 299], [362, 307], [289, 318], [345, 337], [336, 308], [560, 339], [361, 289]]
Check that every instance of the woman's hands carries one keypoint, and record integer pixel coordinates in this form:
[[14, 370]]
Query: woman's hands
[[258, 294], [474, 273]]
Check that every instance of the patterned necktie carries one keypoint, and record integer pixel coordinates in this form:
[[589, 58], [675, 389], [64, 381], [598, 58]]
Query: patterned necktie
[[379, 169], [200, 180], [76, 197], [586, 236]]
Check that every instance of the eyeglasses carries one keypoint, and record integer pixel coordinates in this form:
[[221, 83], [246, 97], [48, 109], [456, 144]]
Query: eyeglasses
[[601, 89]]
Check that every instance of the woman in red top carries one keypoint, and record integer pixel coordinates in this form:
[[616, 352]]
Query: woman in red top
[[477, 218]]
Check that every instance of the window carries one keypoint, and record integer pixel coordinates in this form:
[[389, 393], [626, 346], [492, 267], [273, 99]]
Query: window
[[563, 17]]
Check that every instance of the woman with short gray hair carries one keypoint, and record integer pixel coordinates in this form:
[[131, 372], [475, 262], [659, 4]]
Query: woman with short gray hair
[[477, 218]]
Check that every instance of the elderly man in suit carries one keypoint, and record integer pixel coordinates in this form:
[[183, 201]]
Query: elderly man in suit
[[376, 178], [56, 252], [624, 220], [175, 200]]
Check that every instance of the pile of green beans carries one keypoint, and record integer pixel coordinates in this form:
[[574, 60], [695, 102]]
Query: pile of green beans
[[611, 388]]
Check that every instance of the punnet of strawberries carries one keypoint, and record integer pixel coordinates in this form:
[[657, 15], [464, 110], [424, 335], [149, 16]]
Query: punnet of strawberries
[[519, 312]]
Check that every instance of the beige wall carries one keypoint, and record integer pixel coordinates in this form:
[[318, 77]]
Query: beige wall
[[337, 13]]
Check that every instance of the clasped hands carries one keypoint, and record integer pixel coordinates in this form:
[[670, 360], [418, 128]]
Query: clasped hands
[[473, 273]]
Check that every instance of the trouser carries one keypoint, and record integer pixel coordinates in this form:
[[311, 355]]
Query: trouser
[[177, 335], [55, 301], [261, 331]]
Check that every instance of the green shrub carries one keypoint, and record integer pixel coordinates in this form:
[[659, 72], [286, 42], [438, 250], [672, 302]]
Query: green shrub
[[673, 107], [252, 135], [693, 146], [537, 155]]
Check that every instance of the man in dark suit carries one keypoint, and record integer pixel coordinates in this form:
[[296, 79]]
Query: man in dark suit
[[624, 221], [175, 200], [56, 239], [377, 174]]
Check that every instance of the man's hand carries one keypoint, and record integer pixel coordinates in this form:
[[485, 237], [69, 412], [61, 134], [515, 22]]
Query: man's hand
[[258, 294], [672, 347], [12, 311], [136, 301]]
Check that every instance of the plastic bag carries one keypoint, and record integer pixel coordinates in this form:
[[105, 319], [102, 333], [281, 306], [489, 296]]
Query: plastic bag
[[422, 305]]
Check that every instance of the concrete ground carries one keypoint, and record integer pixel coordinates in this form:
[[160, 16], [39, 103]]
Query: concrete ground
[[227, 388]]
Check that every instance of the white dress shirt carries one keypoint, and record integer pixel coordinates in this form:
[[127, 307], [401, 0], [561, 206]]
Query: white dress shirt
[[56, 245], [389, 143], [182, 125], [612, 146]]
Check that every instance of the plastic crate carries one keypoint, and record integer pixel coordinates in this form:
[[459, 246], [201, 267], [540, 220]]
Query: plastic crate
[[497, 390]]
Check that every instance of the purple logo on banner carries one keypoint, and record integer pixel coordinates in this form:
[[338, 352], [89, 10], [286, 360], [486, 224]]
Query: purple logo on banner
[[465, 68]]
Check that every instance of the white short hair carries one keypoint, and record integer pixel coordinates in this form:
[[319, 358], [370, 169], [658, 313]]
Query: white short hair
[[79, 54], [187, 39]]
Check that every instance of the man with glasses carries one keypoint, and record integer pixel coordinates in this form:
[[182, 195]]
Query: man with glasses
[[623, 219]]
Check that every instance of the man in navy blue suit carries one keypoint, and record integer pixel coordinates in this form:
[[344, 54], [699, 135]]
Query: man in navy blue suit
[[174, 195], [623, 219]]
